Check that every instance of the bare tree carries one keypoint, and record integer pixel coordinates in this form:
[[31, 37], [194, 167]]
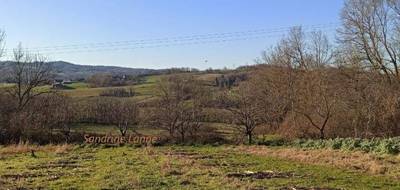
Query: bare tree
[[320, 49], [29, 72], [179, 106], [296, 69], [124, 114], [246, 112], [100, 80], [270, 90], [298, 48], [370, 28], [2, 42], [315, 99]]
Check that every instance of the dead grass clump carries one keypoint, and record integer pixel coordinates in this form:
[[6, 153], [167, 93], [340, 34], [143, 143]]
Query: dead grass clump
[[25, 147], [22, 147], [62, 149], [261, 175]]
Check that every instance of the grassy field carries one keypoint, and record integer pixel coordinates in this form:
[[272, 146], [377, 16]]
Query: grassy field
[[144, 90], [172, 167], [4, 85], [313, 165]]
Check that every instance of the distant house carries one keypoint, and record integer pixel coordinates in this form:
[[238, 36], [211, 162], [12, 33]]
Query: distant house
[[60, 83], [67, 82]]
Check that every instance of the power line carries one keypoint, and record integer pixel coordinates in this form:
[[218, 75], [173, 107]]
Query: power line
[[163, 45], [172, 41]]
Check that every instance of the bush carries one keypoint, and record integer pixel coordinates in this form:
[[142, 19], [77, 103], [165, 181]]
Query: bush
[[271, 140], [375, 145]]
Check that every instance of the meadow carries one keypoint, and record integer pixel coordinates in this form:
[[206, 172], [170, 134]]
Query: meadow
[[191, 167], [274, 163]]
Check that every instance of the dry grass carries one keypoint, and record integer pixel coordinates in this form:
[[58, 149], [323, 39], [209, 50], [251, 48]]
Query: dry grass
[[373, 164], [25, 147]]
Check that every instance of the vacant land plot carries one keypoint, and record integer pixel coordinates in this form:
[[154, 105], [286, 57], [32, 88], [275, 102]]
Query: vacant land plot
[[173, 167]]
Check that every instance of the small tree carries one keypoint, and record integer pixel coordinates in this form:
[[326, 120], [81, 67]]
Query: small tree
[[2, 42], [315, 99], [28, 72], [100, 80], [124, 114], [246, 113], [179, 106]]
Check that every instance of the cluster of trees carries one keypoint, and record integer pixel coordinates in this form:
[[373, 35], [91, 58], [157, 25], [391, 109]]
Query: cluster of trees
[[24, 107], [230, 80], [303, 87], [314, 89], [120, 112], [107, 80], [180, 106]]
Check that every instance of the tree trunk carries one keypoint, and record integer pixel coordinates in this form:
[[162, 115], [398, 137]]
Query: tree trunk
[[182, 136], [250, 137], [322, 133]]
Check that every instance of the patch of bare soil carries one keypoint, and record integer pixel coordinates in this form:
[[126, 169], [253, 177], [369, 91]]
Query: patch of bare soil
[[183, 153], [216, 163], [307, 188], [174, 172], [87, 157], [185, 182], [194, 155], [20, 176], [261, 175], [56, 164]]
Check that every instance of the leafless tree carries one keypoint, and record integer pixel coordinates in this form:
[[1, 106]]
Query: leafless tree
[[29, 72], [315, 99], [124, 114], [179, 106], [370, 28], [246, 112], [296, 67], [2, 42], [320, 49], [269, 87], [100, 80]]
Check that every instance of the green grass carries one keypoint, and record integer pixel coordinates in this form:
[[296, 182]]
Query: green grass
[[153, 78], [5, 85], [78, 85], [144, 90], [96, 167]]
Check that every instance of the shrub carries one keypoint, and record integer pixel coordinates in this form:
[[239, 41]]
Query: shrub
[[375, 145], [271, 140]]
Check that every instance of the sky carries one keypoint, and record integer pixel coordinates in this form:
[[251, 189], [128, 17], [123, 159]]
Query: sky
[[159, 33]]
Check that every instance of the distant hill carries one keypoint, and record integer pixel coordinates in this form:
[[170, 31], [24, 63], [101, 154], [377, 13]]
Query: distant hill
[[65, 70]]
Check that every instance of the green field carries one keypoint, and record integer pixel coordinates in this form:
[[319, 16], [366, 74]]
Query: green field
[[172, 167], [3, 85], [143, 90]]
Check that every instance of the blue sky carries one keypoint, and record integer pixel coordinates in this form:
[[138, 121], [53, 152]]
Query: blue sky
[[49, 23]]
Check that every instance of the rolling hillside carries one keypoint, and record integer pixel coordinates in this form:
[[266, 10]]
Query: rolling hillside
[[66, 70]]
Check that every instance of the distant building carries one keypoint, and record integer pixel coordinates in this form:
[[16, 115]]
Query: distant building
[[67, 82], [60, 83]]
